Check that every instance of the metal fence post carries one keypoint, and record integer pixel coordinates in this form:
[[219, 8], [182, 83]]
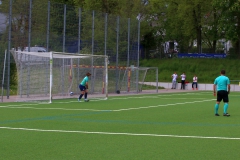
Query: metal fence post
[[138, 52], [93, 45], [30, 25], [105, 34], [29, 42], [117, 46], [64, 43], [9, 45], [79, 40], [64, 26], [48, 25]]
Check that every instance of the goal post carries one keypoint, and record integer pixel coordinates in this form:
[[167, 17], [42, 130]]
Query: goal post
[[43, 76]]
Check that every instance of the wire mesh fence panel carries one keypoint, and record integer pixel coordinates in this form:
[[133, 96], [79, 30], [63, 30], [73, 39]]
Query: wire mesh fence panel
[[134, 43], [38, 24], [71, 29], [122, 41], [42, 26], [86, 32], [99, 33], [111, 50], [19, 24], [3, 74], [56, 27], [3, 44], [4, 58]]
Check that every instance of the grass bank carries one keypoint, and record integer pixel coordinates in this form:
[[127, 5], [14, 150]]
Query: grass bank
[[205, 69]]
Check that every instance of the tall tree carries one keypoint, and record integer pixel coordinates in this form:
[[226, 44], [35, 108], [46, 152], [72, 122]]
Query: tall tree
[[181, 20], [21, 19], [123, 8], [229, 22]]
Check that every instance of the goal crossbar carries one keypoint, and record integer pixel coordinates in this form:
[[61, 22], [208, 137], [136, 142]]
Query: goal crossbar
[[59, 54]]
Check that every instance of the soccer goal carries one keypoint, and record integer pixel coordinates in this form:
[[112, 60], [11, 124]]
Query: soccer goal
[[134, 78], [54, 75]]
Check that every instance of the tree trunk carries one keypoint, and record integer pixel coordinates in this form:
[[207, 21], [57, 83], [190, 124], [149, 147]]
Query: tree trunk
[[239, 47], [214, 46], [199, 39], [199, 29], [237, 50], [238, 42]]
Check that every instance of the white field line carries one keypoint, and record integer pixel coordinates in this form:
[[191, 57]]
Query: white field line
[[127, 134], [126, 109], [173, 104], [66, 109]]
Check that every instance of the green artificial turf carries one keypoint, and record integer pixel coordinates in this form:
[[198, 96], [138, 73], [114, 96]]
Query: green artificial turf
[[158, 126]]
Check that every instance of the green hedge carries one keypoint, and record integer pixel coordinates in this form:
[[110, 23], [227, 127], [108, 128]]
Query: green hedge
[[206, 69]]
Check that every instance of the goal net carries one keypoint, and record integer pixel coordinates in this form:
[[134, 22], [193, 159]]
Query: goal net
[[54, 75], [133, 79]]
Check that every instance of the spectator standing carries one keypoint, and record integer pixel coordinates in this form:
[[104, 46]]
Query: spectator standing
[[174, 80], [195, 79], [222, 85], [183, 78]]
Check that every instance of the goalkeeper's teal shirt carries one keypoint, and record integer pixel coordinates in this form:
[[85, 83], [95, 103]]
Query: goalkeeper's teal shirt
[[84, 81], [222, 82]]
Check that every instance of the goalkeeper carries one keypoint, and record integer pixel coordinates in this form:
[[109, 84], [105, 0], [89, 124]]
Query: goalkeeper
[[83, 86]]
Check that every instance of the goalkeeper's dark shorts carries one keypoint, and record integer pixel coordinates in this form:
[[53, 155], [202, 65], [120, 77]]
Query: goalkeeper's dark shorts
[[222, 95], [82, 88]]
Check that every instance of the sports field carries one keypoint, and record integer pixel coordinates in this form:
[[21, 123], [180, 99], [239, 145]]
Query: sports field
[[164, 126]]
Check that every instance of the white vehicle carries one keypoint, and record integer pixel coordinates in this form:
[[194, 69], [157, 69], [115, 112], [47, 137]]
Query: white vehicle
[[35, 49], [32, 59]]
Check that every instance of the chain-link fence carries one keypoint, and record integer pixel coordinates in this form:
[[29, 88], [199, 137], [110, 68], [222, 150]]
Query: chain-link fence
[[64, 28]]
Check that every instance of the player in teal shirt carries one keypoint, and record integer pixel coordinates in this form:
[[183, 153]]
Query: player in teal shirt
[[84, 81], [83, 86], [222, 85]]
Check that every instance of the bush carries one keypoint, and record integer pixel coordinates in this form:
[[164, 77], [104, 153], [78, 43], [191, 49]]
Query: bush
[[206, 69]]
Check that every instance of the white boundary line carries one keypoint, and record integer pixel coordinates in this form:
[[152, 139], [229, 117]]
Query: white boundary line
[[161, 105], [117, 110], [127, 134]]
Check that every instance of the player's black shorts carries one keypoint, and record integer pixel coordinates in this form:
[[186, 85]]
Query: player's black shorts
[[222, 95], [82, 88]]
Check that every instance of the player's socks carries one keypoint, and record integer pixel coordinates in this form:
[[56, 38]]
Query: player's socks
[[85, 96], [216, 108], [225, 108], [80, 96]]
